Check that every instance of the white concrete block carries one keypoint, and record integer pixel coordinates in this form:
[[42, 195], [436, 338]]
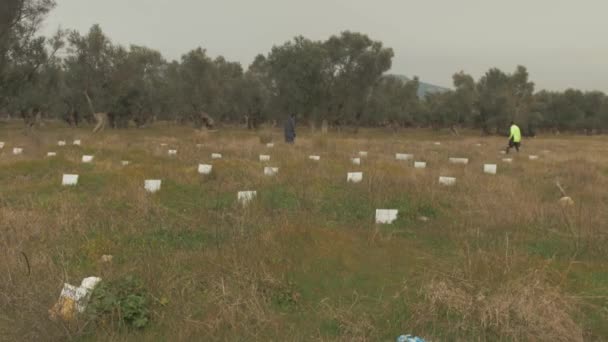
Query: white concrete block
[[490, 169], [420, 165], [51, 154], [87, 159], [315, 158], [271, 171], [463, 161], [507, 160], [172, 152], [270, 145], [152, 185], [244, 197], [404, 156], [125, 162], [61, 143], [532, 157], [354, 177], [447, 181], [386, 216], [69, 180], [363, 153], [356, 161], [264, 158], [216, 156], [17, 150], [205, 169], [77, 142]]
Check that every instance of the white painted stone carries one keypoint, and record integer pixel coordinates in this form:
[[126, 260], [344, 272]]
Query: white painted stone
[[125, 162], [205, 169], [270, 145], [490, 169], [172, 152], [77, 142], [315, 158], [51, 154], [404, 156], [1, 145], [152, 185], [420, 165], [356, 161], [264, 158], [69, 180], [363, 153], [386, 216], [216, 156], [17, 150], [447, 181], [533, 157], [244, 197], [354, 177], [61, 143], [463, 161], [507, 160], [271, 171], [87, 159]]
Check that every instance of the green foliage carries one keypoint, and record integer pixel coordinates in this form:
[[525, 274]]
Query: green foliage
[[123, 302]]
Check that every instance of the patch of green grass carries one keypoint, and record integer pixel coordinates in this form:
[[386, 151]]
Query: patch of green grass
[[278, 197]]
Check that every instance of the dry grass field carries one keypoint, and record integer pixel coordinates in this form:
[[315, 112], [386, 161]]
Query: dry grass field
[[499, 259]]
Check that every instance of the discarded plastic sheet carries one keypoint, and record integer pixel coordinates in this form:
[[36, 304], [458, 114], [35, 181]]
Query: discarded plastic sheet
[[264, 158], [363, 153], [447, 181], [463, 161], [270, 145], [507, 160], [315, 158], [87, 159], [205, 169], [271, 171], [409, 338], [17, 150], [386, 216], [69, 180], [420, 165], [532, 157], [73, 300], [244, 197], [51, 154], [356, 161], [354, 177], [125, 162], [61, 143], [490, 169], [77, 142], [216, 156], [152, 185], [172, 152], [404, 156]]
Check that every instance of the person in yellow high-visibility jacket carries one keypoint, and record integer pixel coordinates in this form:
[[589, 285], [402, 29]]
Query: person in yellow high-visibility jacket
[[514, 137]]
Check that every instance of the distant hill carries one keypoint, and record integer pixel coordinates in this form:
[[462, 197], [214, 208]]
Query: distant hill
[[424, 88]]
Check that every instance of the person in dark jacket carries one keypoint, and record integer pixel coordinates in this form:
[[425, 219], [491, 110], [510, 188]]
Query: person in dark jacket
[[290, 129]]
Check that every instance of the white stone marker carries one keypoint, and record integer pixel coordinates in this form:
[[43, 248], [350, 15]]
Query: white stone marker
[[172, 152], [152, 185], [463, 161], [490, 169], [205, 169], [69, 180], [354, 177], [264, 158], [76, 142], [244, 197], [125, 162], [363, 153], [216, 156], [447, 181], [507, 160], [271, 171], [356, 161], [420, 165], [51, 154], [1, 145], [386, 216], [404, 156], [533, 157], [270, 145], [315, 158], [87, 159], [61, 143], [17, 150]]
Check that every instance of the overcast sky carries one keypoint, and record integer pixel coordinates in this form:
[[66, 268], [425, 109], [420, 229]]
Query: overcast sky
[[564, 43]]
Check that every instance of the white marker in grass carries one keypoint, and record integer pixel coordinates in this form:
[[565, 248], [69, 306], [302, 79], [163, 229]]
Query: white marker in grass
[[152, 185], [363, 153], [386, 216], [17, 150], [244, 197], [532, 157], [51, 154], [1, 145], [270, 145], [404, 156], [125, 162], [216, 156], [437, 143], [77, 142], [205, 169], [315, 158], [61, 143], [356, 161], [163, 145], [87, 159], [490, 169], [420, 165], [447, 181], [463, 161], [69, 180], [271, 171], [507, 160], [354, 177], [172, 152], [264, 158]]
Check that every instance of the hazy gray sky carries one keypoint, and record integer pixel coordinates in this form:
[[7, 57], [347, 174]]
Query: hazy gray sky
[[564, 43]]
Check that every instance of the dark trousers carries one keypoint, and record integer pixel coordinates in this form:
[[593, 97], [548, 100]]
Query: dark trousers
[[513, 144]]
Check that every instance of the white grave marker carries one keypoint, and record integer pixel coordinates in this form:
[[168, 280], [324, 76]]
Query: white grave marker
[[404, 156], [51, 154], [315, 158], [1, 145], [354, 177], [363, 153], [271, 171], [205, 169], [216, 156], [17, 150], [356, 161], [533, 157], [244, 197], [490, 169], [61, 143], [172, 152], [386, 216], [264, 158], [69, 180], [87, 159], [463, 161], [152, 185], [420, 165], [77, 142], [270, 145], [507, 160], [447, 181], [125, 162]]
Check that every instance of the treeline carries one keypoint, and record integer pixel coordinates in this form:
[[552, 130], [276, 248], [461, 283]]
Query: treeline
[[341, 81]]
